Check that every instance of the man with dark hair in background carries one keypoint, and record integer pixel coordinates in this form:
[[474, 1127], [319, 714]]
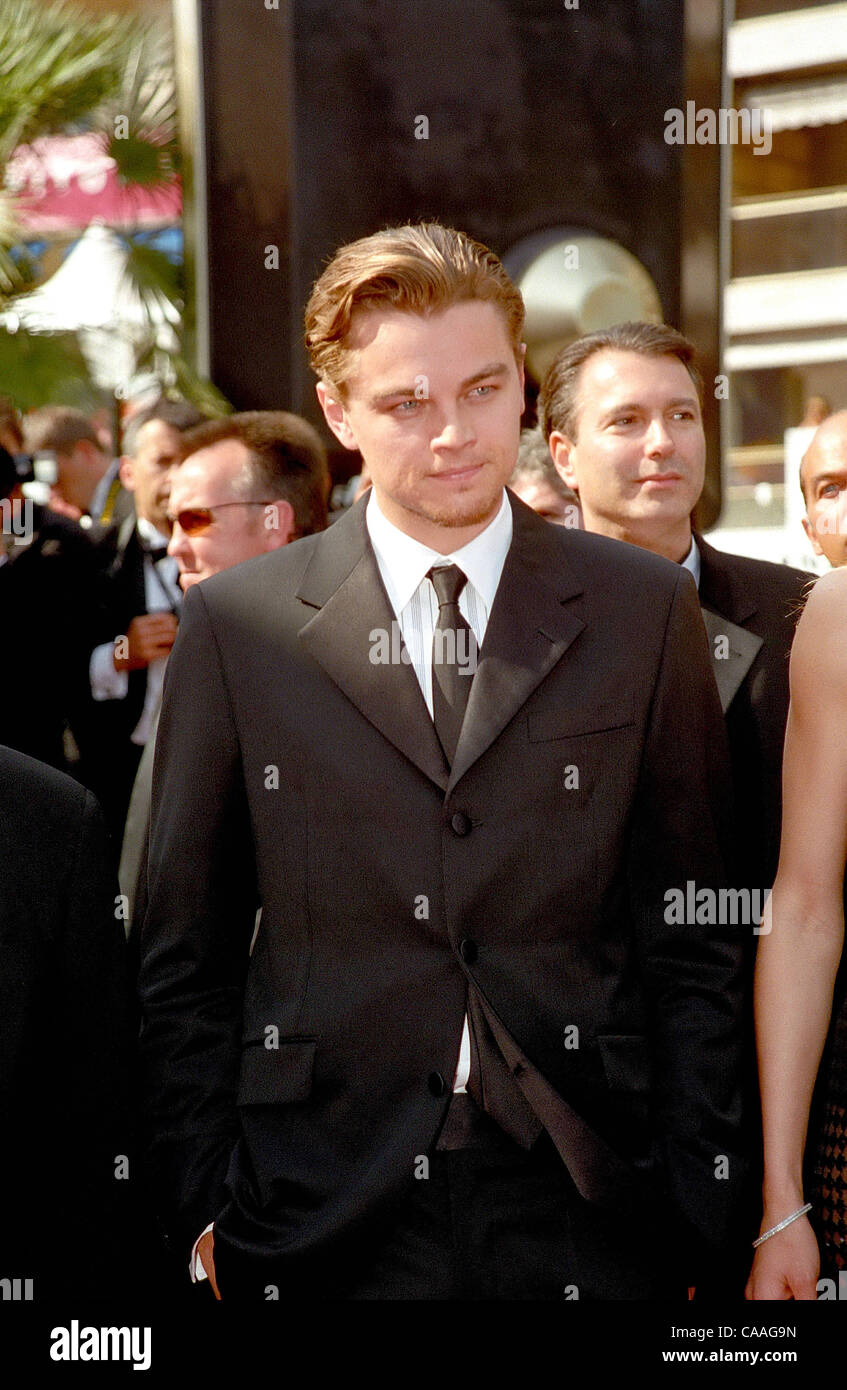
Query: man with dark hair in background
[[81, 460], [248, 484], [621, 413], [139, 605], [621, 410]]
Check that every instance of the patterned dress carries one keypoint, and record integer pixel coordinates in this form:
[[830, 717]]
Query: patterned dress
[[828, 1140]]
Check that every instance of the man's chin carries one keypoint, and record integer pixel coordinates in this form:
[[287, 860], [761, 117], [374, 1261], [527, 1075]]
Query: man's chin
[[461, 511], [188, 579]]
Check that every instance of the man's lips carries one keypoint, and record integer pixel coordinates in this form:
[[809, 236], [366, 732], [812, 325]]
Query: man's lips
[[660, 479], [456, 475]]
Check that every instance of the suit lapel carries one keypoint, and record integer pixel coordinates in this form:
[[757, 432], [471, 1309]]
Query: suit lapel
[[725, 609], [732, 650], [343, 582], [718, 589], [528, 631]]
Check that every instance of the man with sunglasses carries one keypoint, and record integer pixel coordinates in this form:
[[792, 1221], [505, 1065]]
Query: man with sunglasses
[[248, 484]]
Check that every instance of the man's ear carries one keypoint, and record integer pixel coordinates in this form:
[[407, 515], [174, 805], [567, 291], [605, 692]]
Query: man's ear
[[563, 454], [278, 524], [335, 415], [126, 472], [813, 540]]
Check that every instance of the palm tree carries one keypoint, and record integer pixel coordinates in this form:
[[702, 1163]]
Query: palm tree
[[64, 70]]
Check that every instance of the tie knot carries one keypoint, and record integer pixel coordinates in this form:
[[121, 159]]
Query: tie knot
[[448, 582]]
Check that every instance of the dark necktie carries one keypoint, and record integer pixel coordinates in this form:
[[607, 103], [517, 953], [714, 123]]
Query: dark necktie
[[454, 658]]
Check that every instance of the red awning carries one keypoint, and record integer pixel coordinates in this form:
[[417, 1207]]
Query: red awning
[[65, 182]]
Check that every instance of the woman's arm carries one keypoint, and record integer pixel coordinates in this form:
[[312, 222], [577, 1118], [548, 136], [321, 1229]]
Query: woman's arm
[[799, 953]]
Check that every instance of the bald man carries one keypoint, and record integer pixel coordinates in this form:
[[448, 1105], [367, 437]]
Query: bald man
[[823, 478]]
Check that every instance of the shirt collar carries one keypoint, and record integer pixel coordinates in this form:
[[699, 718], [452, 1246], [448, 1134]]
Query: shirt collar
[[404, 562], [152, 538], [692, 562]]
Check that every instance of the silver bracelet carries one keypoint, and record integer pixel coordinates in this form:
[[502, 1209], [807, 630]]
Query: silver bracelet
[[801, 1211]]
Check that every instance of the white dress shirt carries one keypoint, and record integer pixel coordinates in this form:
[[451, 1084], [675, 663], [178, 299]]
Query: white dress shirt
[[692, 561], [161, 595], [404, 564]]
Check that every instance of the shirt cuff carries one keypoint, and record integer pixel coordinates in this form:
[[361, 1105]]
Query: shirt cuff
[[195, 1267], [106, 682]]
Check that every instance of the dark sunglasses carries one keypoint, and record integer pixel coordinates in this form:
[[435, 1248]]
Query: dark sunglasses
[[193, 520]]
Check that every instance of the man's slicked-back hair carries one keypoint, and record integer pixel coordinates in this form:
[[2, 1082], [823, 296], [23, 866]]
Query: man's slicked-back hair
[[285, 460], [558, 398], [417, 269]]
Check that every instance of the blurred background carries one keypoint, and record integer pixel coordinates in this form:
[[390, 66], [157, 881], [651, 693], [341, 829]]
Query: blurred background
[[176, 173]]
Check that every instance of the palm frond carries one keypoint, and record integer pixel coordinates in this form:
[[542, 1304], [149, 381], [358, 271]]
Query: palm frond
[[138, 123], [57, 65]]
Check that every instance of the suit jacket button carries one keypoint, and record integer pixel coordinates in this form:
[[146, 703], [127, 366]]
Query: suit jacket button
[[436, 1083], [461, 823], [468, 951]]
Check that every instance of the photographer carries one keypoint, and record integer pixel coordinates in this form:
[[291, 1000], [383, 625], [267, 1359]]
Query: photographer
[[47, 596]]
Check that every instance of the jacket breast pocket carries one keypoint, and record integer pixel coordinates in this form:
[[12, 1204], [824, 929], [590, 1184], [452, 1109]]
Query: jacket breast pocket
[[626, 1062], [276, 1075], [573, 723]]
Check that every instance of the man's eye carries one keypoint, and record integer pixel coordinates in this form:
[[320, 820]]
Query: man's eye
[[830, 489], [405, 407], [480, 392], [623, 419], [683, 415]]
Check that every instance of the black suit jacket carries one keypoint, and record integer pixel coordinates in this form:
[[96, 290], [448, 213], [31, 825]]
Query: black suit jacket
[[47, 598], [122, 598], [63, 1053], [763, 600], [291, 1084]]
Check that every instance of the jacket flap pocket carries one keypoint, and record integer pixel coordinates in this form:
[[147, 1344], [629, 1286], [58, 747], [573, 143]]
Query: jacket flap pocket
[[626, 1061], [272, 1075], [570, 723]]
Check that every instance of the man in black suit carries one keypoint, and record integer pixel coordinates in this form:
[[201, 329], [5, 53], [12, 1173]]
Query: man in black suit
[[64, 1165], [621, 412], [458, 757], [48, 570], [140, 602]]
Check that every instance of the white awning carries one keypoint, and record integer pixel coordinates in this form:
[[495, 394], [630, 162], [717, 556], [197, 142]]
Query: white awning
[[785, 42], [799, 105]]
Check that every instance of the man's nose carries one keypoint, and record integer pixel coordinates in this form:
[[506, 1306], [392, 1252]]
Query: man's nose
[[178, 543], [454, 431], [659, 438]]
